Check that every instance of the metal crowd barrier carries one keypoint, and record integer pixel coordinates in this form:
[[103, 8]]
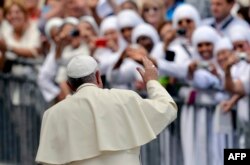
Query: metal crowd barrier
[[21, 109]]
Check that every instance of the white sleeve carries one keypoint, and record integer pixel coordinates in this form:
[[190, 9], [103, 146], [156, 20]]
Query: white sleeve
[[158, 52], [203, 79], [106, 60], [46, 77], [125, 74], [177, 68], [173, 69], [245, 79]]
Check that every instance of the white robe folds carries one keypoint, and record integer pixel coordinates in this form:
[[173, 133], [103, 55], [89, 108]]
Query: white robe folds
[[94, 121]]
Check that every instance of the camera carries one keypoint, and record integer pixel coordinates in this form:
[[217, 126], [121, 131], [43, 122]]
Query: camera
[[181, 32], [75, 33], [203, 65], [242, 56]]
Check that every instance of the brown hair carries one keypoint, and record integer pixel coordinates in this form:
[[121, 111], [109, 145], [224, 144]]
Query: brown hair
[[8, 4], [166, 22]]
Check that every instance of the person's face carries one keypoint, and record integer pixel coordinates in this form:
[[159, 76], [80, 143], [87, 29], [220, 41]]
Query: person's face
[[128, 5], [205, 49], [146, 42], [53, 3], [127, 33], [75, 8], [188, 25], [31, 4], [153, 14], [220, 9], [241, 46], [86, 31], [111, 36], [222, 57], [16, 17], [167, 33]]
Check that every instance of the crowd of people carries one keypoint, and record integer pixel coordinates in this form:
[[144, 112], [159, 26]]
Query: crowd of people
[[209, 56]]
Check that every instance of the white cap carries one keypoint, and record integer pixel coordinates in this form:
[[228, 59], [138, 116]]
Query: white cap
[[205, 34], [53, 22], [223, 44], [109, 23], [90, 20], [71, 20], [128, 18], [103, 9], [186, 11], [239, 33], [145, 29], [81, 66]]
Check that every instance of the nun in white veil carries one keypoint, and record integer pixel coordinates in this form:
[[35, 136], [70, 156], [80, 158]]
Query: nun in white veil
[[206, 80], [89, 31], [127, 21], [195, 127], [73, 47], [240, 37], [222, 120], [48, 70], [186, 18], [113, 44], [124, 73]]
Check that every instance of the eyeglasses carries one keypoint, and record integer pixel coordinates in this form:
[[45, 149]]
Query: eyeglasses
[[154, 9], [187, 21], [238, 46]]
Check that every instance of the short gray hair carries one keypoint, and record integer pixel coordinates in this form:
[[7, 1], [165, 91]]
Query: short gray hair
[[76, 82]]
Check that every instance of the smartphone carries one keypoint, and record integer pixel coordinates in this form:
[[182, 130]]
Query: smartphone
[[170, 55], [101, 42]]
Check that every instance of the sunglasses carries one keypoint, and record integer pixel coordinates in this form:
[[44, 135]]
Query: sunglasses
[[238, 46], [154, 9], [187, 21]]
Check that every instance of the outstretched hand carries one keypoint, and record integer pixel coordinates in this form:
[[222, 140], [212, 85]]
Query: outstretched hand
[[149, 72]]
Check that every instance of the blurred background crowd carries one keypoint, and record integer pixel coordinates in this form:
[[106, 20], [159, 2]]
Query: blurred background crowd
[[200, 47]]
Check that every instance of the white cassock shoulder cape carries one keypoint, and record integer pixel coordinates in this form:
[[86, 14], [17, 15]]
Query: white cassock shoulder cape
[[95, 120]]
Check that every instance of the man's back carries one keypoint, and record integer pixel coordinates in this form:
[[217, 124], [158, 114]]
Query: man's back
[[98, 126], [95, 120]]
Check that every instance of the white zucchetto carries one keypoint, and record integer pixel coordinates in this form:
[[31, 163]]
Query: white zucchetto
[[81, 66]]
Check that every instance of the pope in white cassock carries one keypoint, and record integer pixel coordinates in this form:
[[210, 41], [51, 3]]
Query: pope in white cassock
[[98, 126]]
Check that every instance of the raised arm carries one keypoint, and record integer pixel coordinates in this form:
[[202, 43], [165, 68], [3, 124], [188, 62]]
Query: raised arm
[[160, 109]]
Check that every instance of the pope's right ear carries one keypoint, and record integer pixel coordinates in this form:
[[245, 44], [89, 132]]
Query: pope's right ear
[[98, 79], [70, 86]]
